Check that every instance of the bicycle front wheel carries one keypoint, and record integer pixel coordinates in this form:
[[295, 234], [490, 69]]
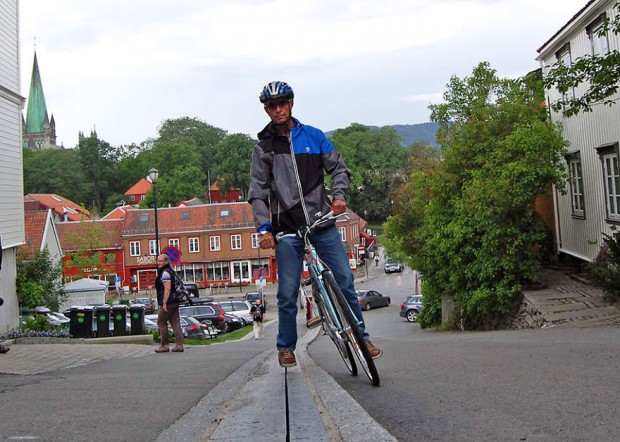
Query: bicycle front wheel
[[351, 329], [331, 330]]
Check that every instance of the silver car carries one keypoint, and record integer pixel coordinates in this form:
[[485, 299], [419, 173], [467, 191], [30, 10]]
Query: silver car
[[240, 309], [410, 307]]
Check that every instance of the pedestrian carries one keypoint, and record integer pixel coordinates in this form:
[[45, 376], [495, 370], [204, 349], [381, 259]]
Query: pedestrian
[[376, 260], [287, 190], [258, 316], [168, 310]]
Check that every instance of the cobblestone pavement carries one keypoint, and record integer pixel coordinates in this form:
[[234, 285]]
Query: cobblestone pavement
[[564, 301]]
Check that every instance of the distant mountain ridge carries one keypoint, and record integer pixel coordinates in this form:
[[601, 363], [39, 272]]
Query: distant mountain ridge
[[411, 132]]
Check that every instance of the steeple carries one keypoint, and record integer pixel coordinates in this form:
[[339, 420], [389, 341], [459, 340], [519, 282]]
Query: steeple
[[39, 131]]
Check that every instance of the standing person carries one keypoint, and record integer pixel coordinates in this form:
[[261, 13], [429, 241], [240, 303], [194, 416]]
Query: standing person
[[168, 310], [258, 315], [287, 191], [376, 260]]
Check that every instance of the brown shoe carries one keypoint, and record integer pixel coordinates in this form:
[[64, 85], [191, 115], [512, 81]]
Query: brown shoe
[[162, 349], [177, 349], [374, 351], [286, 358]]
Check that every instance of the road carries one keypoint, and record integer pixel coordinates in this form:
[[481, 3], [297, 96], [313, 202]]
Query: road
[[523, 385]]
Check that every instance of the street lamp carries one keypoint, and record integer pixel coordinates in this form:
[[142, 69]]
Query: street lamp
[[153, 175]]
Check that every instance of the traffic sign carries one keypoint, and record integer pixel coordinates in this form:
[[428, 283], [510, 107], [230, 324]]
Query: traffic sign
[[174, 254]]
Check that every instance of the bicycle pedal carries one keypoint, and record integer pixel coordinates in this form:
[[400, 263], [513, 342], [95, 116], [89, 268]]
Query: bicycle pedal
[[313, 322]]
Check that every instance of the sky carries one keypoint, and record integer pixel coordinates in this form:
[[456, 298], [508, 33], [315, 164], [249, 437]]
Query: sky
[[123, 67]]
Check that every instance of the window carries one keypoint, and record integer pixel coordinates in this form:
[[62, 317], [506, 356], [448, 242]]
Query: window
[[144, 217], [152, 247], [214, 244], [134, 248], [110, 258], [609, 158], [576, 185], [255, 240], [218, 271], [598, 37], [235, 242], [174, 242], [563, 55], [132, 198], [190, 272], [186, 215], [194, 245], [343, 233]]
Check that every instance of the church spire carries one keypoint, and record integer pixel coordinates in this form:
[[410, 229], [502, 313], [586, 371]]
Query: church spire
[[39, 131]]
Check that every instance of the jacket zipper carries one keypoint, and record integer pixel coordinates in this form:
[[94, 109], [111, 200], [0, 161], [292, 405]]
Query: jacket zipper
[[301, 193]]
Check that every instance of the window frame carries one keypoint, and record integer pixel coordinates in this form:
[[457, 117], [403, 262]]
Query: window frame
[[599, 42], [606, 154], [234, 238], [577, 192], [193, 244], [215, 247], [134, 248]]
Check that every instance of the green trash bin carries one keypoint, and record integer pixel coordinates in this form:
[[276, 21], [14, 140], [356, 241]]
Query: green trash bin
[[102, 319], [81, 322], [119, 319], [136, 316]]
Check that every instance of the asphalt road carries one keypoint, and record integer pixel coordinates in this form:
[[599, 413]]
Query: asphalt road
[[524, 385]]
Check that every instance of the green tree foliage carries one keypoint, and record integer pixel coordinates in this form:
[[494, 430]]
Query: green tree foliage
[[182, 183], [98, 161], [469, 225], [605, 269], [376, 161], [55, 171], [86, 244], [600, 74], [231, 161], [39, 281]]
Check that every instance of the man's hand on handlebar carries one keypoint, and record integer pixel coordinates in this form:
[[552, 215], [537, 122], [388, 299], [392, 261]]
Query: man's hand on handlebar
[[339, 207], [266, 241]]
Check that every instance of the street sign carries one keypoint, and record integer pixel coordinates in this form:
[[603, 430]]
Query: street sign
[[174, 254]]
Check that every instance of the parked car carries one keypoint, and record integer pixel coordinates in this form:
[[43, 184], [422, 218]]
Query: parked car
[[252, 297], [192, 328], [238, 308], [55, 319], [372, 299], [214, 313], [393, 267], [150, 305], [411, 307]]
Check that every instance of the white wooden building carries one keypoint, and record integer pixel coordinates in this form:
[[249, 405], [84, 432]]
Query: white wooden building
[[591, 203], [11, 176]]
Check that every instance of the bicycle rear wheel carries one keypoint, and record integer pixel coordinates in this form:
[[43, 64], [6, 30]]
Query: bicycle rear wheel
[[330, 330], [351, 329]]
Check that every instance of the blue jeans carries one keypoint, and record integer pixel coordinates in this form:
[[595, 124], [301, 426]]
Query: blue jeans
[[289, 257]]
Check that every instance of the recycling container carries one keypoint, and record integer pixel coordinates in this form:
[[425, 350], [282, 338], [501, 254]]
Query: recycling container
[[136, 315], [102, 318], [81, 322], [119, 319]]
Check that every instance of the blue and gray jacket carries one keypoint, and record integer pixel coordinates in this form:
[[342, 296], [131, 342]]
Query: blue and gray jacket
[[288, 177]]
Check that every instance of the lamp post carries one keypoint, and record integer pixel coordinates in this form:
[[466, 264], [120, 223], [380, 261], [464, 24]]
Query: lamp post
[[153, 175]]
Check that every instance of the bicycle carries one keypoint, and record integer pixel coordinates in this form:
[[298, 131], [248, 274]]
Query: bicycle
[[337, 319]]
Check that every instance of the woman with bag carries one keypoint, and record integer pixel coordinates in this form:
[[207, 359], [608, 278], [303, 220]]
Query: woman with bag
[[258, 314], [168, 307]]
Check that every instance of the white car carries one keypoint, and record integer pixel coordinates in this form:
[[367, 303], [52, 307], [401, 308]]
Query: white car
[[241, 309]]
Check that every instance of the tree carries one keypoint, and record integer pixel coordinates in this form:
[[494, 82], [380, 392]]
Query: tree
[[376, 161], [183, 183], [98, 161], [39, 281], [470, 226], [231, 161], [86, 244], [599, 73]]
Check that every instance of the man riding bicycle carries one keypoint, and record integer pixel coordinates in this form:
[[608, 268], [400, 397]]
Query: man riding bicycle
[[287, 191]]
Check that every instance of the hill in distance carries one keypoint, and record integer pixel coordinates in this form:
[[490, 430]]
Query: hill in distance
[[411, 132]]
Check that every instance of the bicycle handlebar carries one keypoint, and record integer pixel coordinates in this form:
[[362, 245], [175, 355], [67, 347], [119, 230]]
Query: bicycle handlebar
[[306, 229]]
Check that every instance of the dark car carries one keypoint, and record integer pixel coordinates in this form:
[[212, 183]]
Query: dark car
[[149, 304], [411, 307], [192, 328], [213, 313], [372, 299], [393, 267]]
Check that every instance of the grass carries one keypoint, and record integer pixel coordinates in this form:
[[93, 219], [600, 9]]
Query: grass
[[222, 337]]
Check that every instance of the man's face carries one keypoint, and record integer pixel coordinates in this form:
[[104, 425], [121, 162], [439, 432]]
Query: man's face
[[279, 110]]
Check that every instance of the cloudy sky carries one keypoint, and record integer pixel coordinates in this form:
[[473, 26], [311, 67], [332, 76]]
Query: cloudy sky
[[122, 67]]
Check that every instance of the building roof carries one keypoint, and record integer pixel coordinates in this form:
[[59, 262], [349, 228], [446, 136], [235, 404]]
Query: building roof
[[36, 116], [140, 188], [119, 212], [34, 226], [175, 220], [559, 31], [91, 235], [58, 204], [192, 202]]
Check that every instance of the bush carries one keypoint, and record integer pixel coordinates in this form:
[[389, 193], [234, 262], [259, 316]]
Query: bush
[[604, 271], [36, 323]]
